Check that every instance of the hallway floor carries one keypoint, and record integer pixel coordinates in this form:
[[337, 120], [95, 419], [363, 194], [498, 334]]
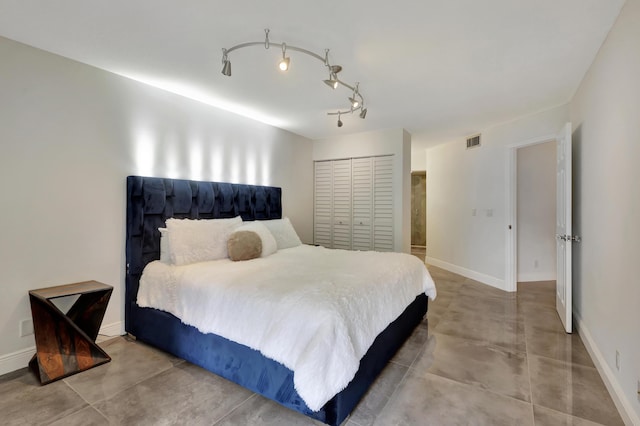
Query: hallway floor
[[481, 357]]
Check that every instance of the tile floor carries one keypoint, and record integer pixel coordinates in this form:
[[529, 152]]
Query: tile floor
[[482, 357]]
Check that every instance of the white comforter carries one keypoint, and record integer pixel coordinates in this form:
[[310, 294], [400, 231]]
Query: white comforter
[[316, 311]]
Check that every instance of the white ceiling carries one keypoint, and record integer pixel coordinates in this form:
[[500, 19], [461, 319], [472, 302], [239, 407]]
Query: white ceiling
[[440, 69]]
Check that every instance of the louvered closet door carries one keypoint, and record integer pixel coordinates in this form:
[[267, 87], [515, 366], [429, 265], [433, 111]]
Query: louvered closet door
[[383, 203], [323, 195], [342, 204], [362, 187]]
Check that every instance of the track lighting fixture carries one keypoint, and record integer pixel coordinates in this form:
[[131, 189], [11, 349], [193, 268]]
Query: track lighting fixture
[[355, 103], [332, 82], [284, 63], [226, 65], [356, 100]]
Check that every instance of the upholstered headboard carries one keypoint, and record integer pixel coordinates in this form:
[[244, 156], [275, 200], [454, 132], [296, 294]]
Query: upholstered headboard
[[151, 201]]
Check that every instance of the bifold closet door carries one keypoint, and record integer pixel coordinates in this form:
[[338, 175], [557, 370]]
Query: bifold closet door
[[323, 199], [353, 204], [362, 190], [383, 203], [341, 204]]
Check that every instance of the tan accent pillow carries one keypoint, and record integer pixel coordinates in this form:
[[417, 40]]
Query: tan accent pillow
[[244, 245]]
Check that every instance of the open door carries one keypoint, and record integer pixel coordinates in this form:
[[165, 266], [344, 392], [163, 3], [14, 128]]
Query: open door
[[564, 238]]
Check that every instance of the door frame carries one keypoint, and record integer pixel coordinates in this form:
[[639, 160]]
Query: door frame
[[420, 173], [511, 197]]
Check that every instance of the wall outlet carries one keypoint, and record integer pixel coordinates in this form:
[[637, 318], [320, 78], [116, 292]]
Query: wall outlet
[[26, 327], [536, 264], [617, 360], [489, 212]]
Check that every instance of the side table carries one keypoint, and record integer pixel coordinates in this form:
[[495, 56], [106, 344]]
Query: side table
[[65, 343]]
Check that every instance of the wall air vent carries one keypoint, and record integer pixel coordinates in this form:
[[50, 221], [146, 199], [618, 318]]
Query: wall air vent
[[473, 141]]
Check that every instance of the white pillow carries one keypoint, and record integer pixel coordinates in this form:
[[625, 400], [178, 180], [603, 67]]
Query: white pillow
[[269, 245], [165, 250], [283, 232], [192, 241]]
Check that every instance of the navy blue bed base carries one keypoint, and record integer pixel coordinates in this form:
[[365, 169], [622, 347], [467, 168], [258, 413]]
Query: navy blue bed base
[[150, 201]]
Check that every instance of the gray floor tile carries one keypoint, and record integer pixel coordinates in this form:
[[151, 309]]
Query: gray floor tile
[[474, 288], [443, 300], [539, 292], [475, 363], [571, 389], [378, 395], [24, 401], [495, 330], [432, 321], [260, 411], [88, 416], [557, 345], [185, 394], [437, 309], [503, 308], [408, 352], [543, 317], [547, 417], [131, 362], [435, 400]]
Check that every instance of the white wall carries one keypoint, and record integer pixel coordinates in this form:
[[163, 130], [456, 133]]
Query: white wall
[[70, 134], [395, 142], [606, 117], [536, 212], [418, 159], [461, 182]]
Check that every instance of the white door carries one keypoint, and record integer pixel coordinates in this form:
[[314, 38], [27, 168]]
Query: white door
[[322, 203], [341, 229], [564, 237], [383, 237], [362, 188]]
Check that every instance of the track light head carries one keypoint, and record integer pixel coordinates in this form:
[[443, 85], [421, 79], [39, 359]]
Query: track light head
[[332, 81], [355, 103], [339, 121], [284, 63], [335, 69], [226, 68], [363, 113]]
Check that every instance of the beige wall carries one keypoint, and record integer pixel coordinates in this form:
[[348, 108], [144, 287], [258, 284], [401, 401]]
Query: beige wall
[[462, 182], [70, 134], [606, 117]]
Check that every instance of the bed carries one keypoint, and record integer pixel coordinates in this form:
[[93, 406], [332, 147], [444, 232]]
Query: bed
[[150, 202]]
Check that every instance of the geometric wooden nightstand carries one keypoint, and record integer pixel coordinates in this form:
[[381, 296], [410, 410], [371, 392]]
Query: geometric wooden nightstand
[[65, 343]]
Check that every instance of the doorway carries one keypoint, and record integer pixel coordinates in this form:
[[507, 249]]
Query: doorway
[[536, 213], [512, 228], [419, 211]]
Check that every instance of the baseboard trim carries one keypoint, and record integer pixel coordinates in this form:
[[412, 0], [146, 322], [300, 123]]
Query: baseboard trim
[[629, 416], [113, 329], [483, 278], [523, 278], [20, 359], [16, 360]]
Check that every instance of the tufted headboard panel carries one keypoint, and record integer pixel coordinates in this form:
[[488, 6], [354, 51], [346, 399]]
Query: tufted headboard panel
[[151, 201]]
